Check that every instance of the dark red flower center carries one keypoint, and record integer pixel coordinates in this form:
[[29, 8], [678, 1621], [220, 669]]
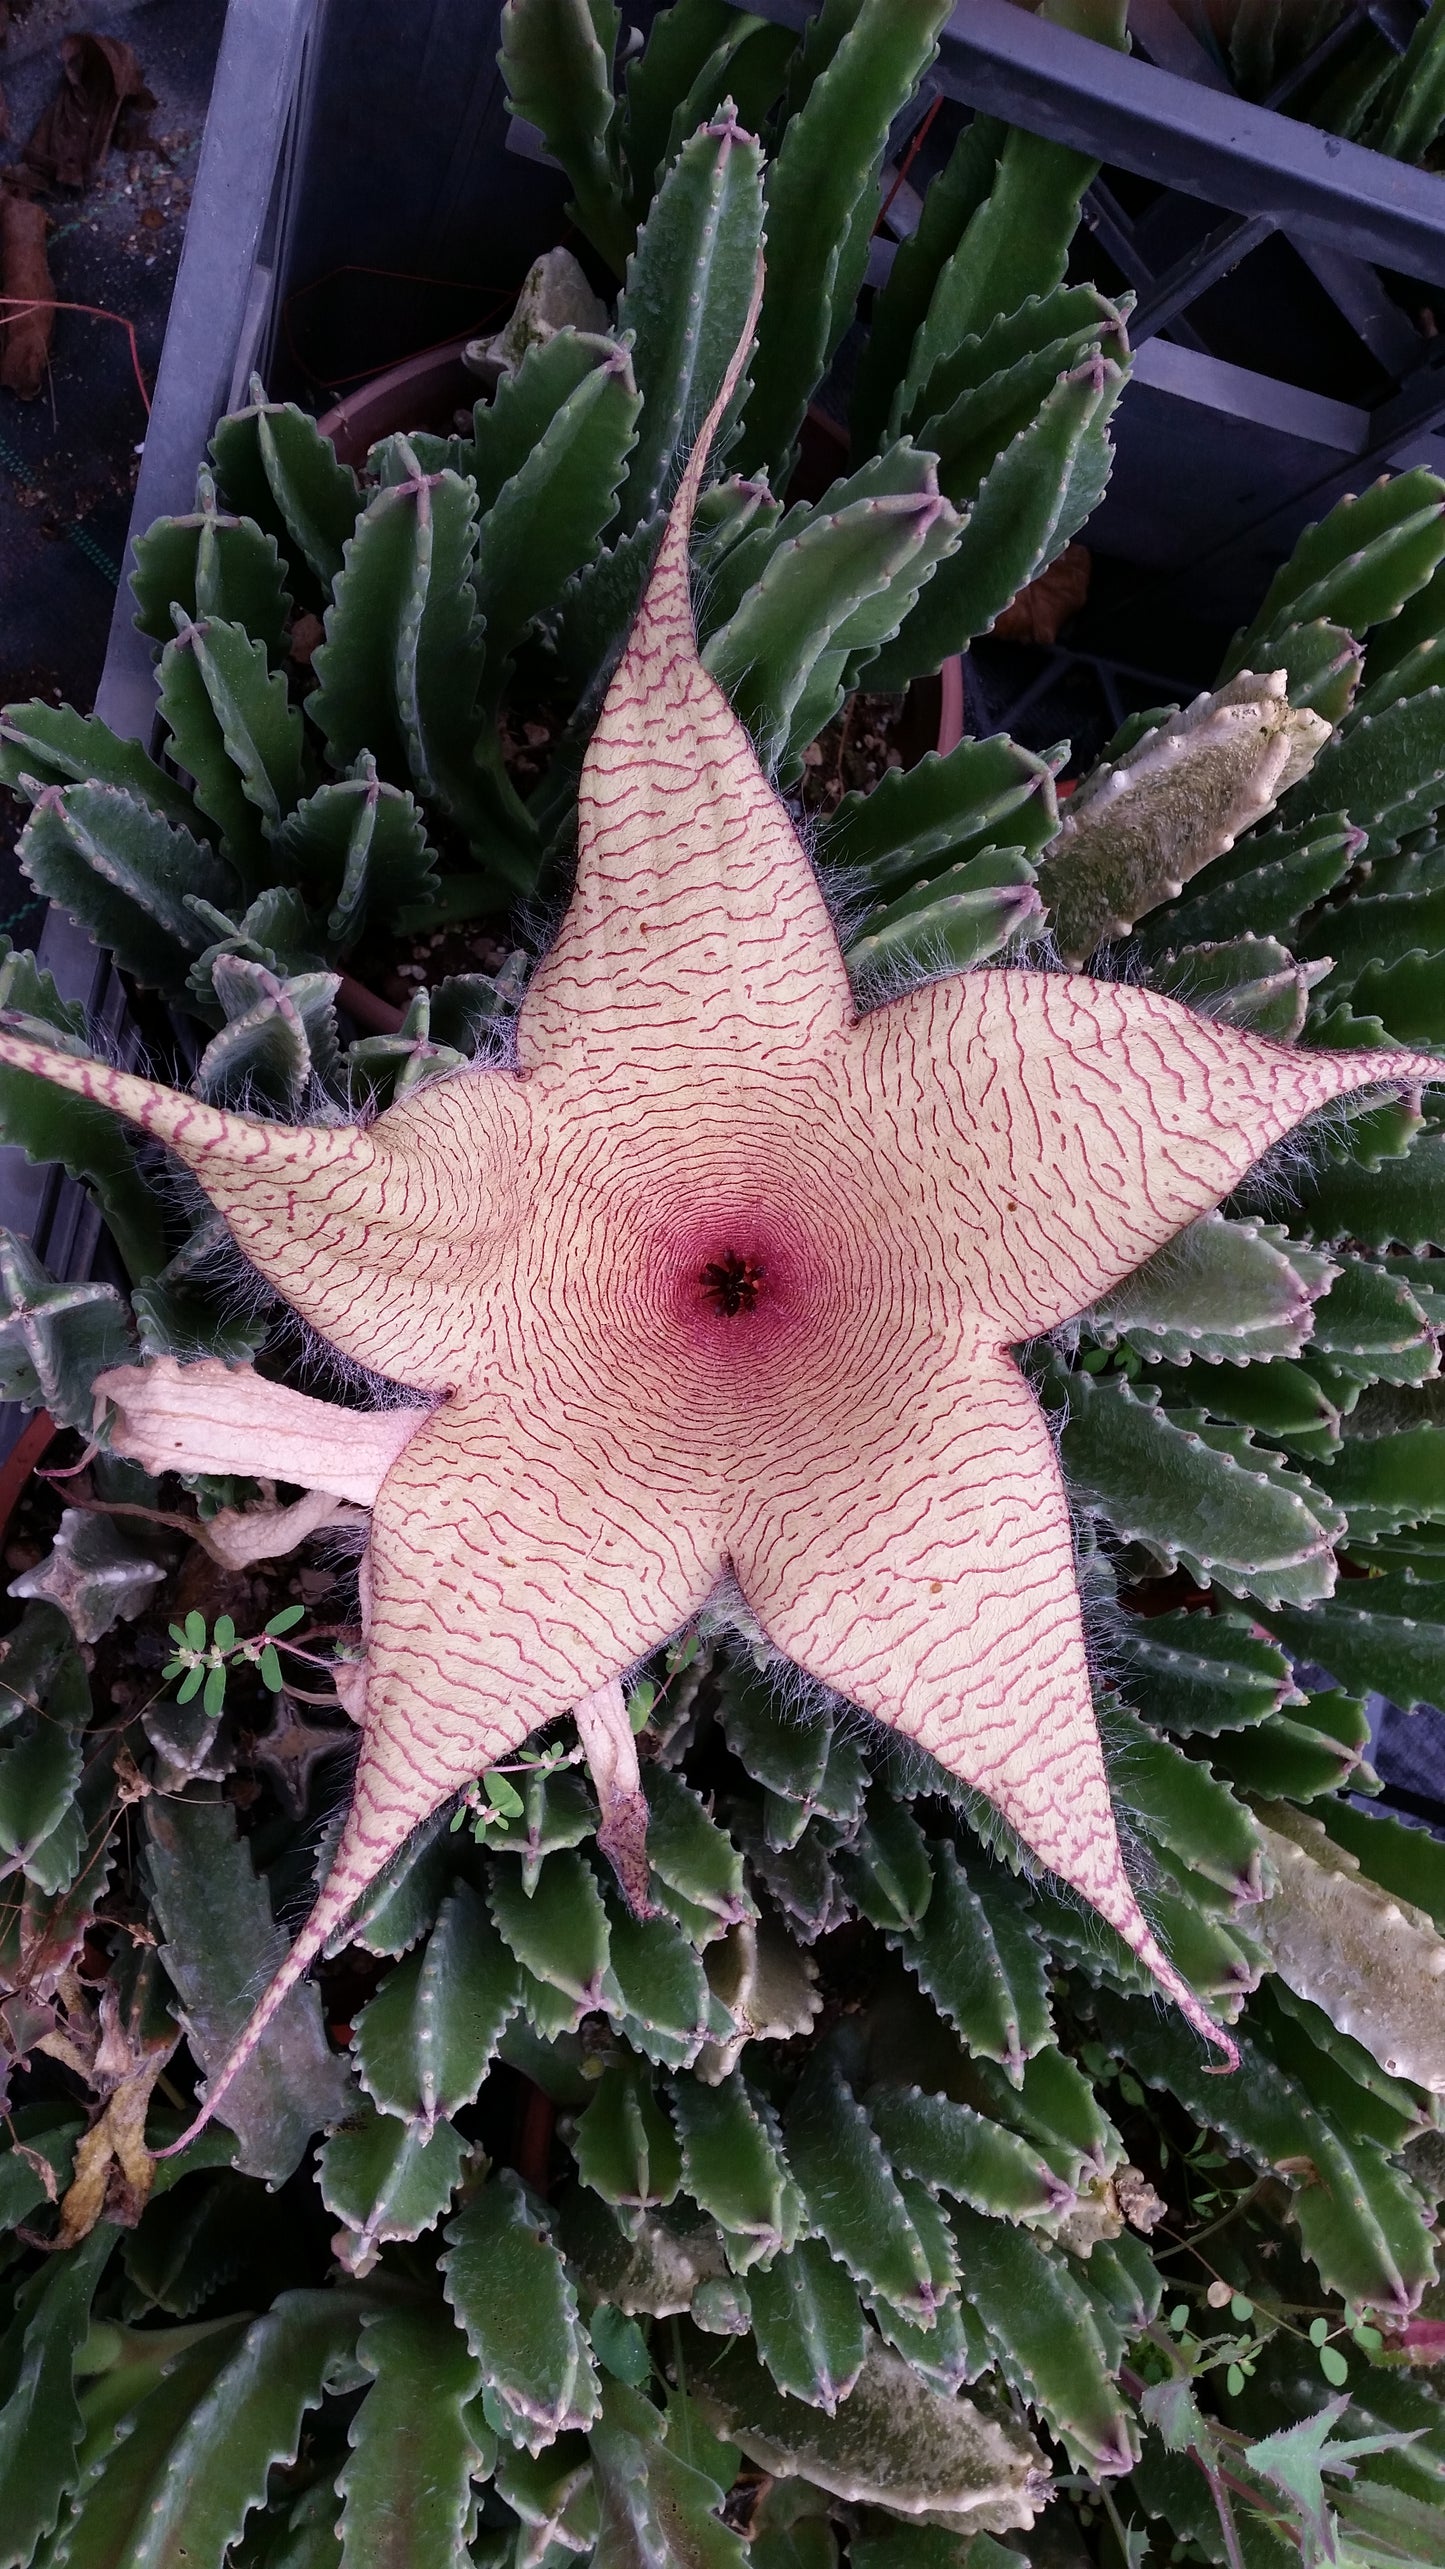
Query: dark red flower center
[[732, 1283]]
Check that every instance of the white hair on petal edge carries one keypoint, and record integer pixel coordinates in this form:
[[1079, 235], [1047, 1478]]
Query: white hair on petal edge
[[879, 985], [1036, 952], [537, 919], [1271, 1186], [321, 1834], [845, 888], [244, 1293]]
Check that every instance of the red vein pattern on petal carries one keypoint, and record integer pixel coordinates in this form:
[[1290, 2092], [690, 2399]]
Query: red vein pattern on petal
[[384, 1239], [1054, 1131], [936, 1588], [728, 1274]]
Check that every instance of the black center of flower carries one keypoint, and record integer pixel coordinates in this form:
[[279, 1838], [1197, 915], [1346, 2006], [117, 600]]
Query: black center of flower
[[732, 1283]]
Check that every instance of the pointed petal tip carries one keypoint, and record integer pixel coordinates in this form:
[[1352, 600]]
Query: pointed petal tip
[[679, 525], [1205, 2026], [1395, 1068], [191, 2133], [1424, 1067], [1127, 1919], [1228, 2067]]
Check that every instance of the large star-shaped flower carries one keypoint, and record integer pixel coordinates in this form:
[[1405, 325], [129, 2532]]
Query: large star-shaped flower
[[723, 1277]]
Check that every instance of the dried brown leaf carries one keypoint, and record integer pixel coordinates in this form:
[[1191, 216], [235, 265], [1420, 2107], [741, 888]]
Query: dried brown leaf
[[113, 2168], [99, 77], [25, 280]]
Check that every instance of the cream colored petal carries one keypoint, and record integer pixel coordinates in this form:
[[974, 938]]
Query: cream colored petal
[[384, 1239], [513, 1573], [1052, 1132], [927, 1573], [696, 920]]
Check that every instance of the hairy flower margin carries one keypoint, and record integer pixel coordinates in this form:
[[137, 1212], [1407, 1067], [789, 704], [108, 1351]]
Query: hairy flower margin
[[864, 2131]]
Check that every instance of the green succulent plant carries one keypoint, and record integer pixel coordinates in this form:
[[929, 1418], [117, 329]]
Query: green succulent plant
[[860, 2205], [1370, 85]]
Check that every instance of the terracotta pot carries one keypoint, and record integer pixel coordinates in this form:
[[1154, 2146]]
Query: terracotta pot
[[422, 392], [933, 714], [374, 1016], [425, 391]]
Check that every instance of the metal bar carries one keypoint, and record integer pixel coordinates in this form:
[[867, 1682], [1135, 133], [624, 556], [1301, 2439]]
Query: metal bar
[[1182, 135], [1115, 234], [1238, 394], [1200, 268], [1156, 25], [1351, 284], [1365, 443], [1355, 291], [1395, 20], [256, 76], [251, 95], [1341, 34], [1417, 407]]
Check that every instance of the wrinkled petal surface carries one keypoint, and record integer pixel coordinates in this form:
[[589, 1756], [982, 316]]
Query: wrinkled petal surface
[[1052, 1132], [727, 1276], [926, 1572]]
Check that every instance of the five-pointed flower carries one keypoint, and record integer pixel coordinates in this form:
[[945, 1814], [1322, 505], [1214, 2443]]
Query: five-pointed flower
[[721, 1278]]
